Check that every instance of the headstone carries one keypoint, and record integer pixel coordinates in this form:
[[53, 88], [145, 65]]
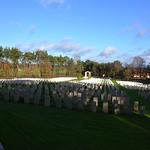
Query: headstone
[[128, 109], [33, 88], [80, 105], [122, 100], [37, 96], [70, 94], [118, 99], [68, 103], [75, 93], [87, 99], [6, 94], [105, 107], [109, 97], [114, 98], [116, 107], [58, 103], [91, 93], [27, 95], [17, 95], [79, 94], [12, 94], [95, 99], [46, 97], [136, 106], [122, 93], [102, 97], [142, 110], [93, 106]]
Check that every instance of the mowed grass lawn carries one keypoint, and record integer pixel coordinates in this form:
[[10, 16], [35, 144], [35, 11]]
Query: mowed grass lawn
[[28, 127]]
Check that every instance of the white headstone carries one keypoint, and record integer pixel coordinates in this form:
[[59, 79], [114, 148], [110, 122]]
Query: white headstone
[[105, 107]]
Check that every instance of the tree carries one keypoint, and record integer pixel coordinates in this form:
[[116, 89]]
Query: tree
[[138, 62], [15, 55], [117, 68], [43, 62], [148, 66], [127, 73], [78, 68], [70, 68], [7, 64], [28, 58], [1, 53], [6, 54]]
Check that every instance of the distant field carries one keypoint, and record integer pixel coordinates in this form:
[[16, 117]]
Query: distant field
[[27, 127]]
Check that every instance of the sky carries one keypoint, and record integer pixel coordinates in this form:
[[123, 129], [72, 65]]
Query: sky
[[99, 30]]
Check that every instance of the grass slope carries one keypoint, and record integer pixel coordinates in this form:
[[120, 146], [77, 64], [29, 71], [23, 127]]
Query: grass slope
[[27, 127], [133, 94]]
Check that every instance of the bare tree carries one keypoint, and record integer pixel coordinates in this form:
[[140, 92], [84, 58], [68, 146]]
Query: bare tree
[[138, 62]]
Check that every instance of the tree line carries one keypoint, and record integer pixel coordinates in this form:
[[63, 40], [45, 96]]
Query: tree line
[[16, 63]]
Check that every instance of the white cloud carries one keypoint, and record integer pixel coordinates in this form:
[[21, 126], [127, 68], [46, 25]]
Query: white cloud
[[138, 29], [15, 23], [65, 47], [147, 53], [143, 33], [47, 3], [108, 51], [134, 26]]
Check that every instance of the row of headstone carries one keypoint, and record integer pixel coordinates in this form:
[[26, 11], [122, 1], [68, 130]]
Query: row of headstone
[[83, 96]]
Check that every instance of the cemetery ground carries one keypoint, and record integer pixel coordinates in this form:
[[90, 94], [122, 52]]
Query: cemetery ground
[[24, 127], [35, 127]]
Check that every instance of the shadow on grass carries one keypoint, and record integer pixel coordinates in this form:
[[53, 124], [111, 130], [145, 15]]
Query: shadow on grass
[[26, 127], [139, 122]]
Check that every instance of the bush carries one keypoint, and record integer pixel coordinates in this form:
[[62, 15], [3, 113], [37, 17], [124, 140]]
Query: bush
[[79, 77]]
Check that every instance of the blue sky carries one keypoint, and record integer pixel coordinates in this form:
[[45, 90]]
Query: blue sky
[[100, 30]]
